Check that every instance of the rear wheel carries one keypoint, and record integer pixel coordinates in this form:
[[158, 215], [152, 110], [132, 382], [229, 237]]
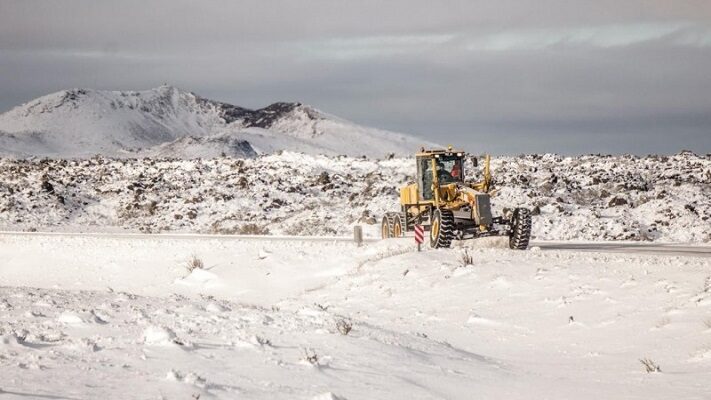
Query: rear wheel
[[520, 229], [385, 227], [396, 226], [441, 229], [391, 226]]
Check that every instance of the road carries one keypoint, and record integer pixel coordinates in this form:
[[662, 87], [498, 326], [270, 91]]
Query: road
[[671, 249], [186, 236]]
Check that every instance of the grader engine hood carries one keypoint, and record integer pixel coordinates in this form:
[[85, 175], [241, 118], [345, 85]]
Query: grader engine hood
[[448, 192]]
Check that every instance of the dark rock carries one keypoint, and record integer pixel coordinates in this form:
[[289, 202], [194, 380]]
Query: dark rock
[[324, 178], [261, 118], [616, 201], [47, 187]]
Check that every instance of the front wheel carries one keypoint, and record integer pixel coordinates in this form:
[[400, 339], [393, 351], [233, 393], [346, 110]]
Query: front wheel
[[520, 229], [441, 229]]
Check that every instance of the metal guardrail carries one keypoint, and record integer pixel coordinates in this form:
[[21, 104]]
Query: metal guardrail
[[199, 236]]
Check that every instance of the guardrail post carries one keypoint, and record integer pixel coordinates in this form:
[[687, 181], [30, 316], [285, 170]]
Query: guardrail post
[[358, 235]]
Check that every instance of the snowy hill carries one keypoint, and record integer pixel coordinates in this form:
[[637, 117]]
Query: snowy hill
[[167, 121], [572, 198]]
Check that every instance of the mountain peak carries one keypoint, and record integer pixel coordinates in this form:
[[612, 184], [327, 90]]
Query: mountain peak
[[169, 89]]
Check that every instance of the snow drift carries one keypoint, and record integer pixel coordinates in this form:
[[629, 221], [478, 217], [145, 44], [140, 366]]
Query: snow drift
[[110, 317]]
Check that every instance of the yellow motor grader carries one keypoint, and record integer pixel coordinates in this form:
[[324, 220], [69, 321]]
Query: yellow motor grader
[[442, 201]]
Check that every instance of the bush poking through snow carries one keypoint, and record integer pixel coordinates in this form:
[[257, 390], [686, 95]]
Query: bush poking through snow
[[262, 341], [466, 259], [253, 229], [194, 263], [650, 366], [344, 326], [310, 357]]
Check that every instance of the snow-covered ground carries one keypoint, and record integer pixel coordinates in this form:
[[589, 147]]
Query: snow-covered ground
[[653, 198], [121, 317], [313, 317]]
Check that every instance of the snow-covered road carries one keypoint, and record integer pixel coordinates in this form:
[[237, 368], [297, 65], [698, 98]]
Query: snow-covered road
[[669, 249], [120, 316], [673, 249]]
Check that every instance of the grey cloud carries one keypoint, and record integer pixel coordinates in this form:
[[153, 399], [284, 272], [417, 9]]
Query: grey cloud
[[502, 76], [136, 24]]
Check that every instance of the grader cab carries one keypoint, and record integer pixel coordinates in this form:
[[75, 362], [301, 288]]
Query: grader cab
[[441, 200]]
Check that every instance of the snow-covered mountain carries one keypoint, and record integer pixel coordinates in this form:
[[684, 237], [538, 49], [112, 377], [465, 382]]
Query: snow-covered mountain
[[170, 122]]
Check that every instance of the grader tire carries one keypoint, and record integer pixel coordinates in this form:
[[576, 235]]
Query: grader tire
[[520, 229], [441, 229], [385, 228], [391, 226], [397, 225]]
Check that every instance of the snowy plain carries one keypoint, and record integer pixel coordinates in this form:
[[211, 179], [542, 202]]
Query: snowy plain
[[122, 317]]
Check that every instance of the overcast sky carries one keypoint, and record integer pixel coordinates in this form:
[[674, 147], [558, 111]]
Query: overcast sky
[[502, 76]]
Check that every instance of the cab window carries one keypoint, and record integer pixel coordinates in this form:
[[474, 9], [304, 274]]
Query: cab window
[[449, 170]]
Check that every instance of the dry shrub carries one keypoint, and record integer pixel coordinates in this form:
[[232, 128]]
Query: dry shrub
[[194, 263], [466, 259], [344, 326], [650, 366], [253, 229], [311, 357]]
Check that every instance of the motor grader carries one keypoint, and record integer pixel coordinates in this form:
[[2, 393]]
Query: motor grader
[[451, 208]]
